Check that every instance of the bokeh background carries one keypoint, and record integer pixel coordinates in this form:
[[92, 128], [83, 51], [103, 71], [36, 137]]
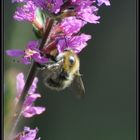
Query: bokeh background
[[108, 65]]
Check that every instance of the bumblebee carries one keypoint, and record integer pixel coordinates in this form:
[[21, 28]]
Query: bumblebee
[[64, 72]]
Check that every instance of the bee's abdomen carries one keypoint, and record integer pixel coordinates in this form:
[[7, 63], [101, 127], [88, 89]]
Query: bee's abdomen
[[53, 83], [63, 75], [57, 84]]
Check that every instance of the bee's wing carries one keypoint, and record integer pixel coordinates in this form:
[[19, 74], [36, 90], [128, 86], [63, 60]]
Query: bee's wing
[[78, 86]]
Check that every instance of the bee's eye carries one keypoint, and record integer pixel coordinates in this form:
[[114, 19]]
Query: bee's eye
[[71, 59]]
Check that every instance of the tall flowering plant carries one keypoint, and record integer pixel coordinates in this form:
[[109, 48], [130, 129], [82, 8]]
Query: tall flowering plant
[[57, 25]]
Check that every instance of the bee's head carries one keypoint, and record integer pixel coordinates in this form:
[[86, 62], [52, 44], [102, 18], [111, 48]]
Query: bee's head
[[70, 63]]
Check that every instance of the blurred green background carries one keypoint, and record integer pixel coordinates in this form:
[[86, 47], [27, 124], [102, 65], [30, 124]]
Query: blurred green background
[[108, 65]]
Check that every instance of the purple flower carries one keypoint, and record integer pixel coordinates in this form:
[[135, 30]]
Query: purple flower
[[15, 53], [28, 110], [20, 85], [87, 13], [76, 43], [31, 52], [26, 12], [71, 25], [31, 13], [106, 2], [28, 134], [52, 6], [85, 10]]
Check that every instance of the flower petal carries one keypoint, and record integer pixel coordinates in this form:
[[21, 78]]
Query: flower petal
[[33, 86], [31, 111], [25, 61], [33, 45], [19, 84], [26, 12], [106, 2], [30, 99], [39, 59], [91, 18], [29, 134], [72, 25], [15, 53], [88, 14], [52, 6], [76, 43], [62, 45]]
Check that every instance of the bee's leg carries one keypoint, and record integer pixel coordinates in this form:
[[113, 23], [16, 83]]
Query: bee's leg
[[49, 66], [53, 66], [41, 66]]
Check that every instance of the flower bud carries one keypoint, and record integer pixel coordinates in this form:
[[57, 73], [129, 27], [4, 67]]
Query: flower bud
[[39, 23]]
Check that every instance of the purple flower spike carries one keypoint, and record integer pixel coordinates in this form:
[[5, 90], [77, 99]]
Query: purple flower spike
[[28, 110], [106, 2], [29, 134]]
